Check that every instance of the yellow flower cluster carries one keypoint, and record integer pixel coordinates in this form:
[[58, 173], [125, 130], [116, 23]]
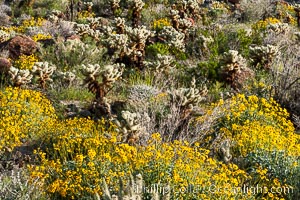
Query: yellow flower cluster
[[25, 62], [262, 24], [85, 14], [160, 23], [286, 12], [22, 114], [25, 24], [41, 36], [220, 6], [258, 123], [84, 152]]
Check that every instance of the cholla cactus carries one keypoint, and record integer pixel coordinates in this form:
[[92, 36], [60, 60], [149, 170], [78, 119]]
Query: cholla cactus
[[109, 75], [131, 126], [162, 64], [85, 29], [189, 97], [279, 28], [134, 190], [139, 34], [19, 77], [67, 77], [137, 6], [263, 55], [4, 36], [119, 44], [225, 151], [44, 71], [173, 37], [138, 37], [120, 25], [114, 4], [232, 61], [234, 69], [206, 41], [183, 14]]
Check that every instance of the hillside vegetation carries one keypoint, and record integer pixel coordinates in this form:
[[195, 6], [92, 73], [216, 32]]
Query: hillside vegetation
[[149, 99]]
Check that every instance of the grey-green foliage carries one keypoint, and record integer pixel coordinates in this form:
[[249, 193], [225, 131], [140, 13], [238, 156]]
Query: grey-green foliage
[[279, 165], [189, 97], [141, 93], [16, 185], [133, 190], [72, 53]]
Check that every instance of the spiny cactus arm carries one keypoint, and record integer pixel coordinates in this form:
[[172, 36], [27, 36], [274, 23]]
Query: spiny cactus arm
[[19, 77], [112, 73], [106, 193]]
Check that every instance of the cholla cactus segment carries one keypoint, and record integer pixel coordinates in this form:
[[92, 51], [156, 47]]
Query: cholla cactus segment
[[67, 77], [132, 121], [234, 69], [43, 68], [263, 55], [44, 72], [115, 3], [232, 61], [118, 41], [20, 77], [162, 64], [113, 72], [132, 126], [88, 3], [4, 36], [173, 37], [91, 71], [85, 29], [120, 24], [190, 97], [206, 41], [139, 34], [225, 151], [279, 28], [82, 29], [137, 4]]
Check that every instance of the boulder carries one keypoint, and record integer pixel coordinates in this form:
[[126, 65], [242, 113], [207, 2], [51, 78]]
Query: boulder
[[21, 45], [5, 64]]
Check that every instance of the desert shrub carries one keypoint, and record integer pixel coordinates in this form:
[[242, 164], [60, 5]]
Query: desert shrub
[[68, 56], [282, 168], [285, 77], [83, 153], [16, 184], [157, 48], [23, 114], [25, 62], [251, 123], [258, 123], [256, 10]]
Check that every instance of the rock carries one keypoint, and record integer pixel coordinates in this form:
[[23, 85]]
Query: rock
[[5, 64], [85, 113], [21, 45]]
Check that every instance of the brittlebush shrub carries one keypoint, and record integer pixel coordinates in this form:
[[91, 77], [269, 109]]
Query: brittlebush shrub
[[83, 153], [257, 123], [261, 137], [23, 113]]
